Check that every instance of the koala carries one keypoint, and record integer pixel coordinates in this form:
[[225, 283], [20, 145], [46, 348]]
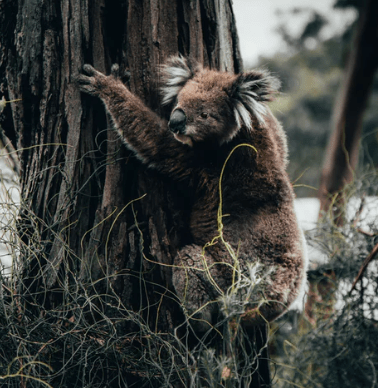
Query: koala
[[246, 255]]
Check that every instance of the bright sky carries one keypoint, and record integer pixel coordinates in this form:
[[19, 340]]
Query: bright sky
[[257, 20]]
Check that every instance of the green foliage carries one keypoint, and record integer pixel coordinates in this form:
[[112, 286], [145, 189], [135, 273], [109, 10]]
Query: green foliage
[[309, 88], [311, 80], [348, 4]]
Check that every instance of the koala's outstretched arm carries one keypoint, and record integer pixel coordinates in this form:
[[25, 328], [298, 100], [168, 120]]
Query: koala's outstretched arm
[[143, 131]]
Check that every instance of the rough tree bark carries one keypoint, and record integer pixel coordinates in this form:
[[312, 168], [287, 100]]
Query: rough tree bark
[[92, 215]]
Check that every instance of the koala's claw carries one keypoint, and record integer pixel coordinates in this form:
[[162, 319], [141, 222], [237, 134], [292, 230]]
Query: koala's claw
[[88, 69], [115, 70]]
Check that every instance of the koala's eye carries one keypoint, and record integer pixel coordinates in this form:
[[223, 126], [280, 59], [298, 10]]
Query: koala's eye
[[204, 115]]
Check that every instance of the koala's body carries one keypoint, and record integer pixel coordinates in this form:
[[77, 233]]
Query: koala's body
[[251, 207]]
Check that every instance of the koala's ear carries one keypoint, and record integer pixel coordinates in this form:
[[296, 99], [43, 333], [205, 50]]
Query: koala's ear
[[175, 73], [249, 92]]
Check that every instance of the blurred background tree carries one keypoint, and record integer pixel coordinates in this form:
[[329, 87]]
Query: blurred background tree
[[312, 72], [330, 98]]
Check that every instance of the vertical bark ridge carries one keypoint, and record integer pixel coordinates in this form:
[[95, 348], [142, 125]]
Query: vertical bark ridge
[[69, 183], [78, 181]]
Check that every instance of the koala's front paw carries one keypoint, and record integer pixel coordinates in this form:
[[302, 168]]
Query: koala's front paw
[[96, 83], [93, 82]]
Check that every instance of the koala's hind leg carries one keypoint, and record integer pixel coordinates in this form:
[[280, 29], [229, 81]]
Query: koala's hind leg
[[199, 281]]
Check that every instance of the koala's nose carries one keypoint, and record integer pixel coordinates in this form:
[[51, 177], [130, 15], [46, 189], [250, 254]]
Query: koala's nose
[[177, 121]]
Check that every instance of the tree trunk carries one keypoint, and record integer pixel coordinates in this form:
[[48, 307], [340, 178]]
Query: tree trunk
[[98, 231], [341, 157], [343, 148]]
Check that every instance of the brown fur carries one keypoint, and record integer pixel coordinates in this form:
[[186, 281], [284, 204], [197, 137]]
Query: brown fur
[[259, 222]]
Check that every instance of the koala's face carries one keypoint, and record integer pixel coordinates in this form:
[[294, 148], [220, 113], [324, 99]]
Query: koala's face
[[203, 111], [213, 105]]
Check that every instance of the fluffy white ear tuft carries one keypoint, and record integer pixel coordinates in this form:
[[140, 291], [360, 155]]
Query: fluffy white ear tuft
[[175, 73], [249, 93]]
